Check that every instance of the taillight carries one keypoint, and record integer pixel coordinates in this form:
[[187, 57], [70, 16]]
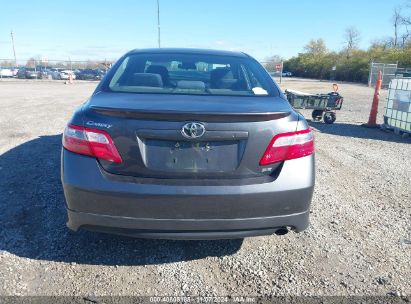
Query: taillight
[[288, 146], [92, 142]]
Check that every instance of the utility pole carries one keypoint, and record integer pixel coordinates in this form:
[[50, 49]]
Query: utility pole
[[158, 22], [14, 49], [281, 73]]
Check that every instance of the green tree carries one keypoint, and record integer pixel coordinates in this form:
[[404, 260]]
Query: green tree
[[316, 47]]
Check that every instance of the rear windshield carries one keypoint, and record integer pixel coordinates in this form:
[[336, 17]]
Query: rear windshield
[[191, 74]]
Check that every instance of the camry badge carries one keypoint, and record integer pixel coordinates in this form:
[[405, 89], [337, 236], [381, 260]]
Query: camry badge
[[98, 124]]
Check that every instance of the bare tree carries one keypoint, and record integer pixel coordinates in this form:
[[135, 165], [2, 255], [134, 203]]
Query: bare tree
[[406, 23], [274, 58], [271, 62], [397, 21], [31, 63], [404, 38], [352, 38]]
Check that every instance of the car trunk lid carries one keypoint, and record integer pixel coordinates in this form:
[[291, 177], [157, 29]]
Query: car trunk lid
[[147, 130]]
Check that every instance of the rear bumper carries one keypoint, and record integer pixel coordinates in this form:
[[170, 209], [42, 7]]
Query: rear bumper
[[103, 202], [187, 229]]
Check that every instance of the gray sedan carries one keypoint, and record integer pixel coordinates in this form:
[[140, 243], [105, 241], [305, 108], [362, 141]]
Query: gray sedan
[[188, 144]]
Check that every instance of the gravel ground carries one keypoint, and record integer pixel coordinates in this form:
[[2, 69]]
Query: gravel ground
[[358, 242]]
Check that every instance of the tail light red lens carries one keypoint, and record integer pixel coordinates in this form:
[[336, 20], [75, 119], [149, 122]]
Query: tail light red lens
[[288, 146], [91, 142]]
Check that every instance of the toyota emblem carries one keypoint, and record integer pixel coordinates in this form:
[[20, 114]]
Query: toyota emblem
[[193, 130]]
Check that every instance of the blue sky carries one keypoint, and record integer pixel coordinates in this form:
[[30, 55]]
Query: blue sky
[[83, 30]]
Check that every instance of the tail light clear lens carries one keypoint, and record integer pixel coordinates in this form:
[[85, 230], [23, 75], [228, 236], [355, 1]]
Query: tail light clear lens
[[91, 142], [288, 146]]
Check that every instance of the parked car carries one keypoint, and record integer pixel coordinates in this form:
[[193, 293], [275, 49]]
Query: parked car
[[15, 70], [400, 73], [77, 72], [287, 74], [65, 75], [89, 74], [55, 73], [28, 73], [187, 144], [6, 72], [44, 73], [21, 73], [31, 73]]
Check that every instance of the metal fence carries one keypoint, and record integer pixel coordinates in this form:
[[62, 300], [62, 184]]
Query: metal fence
[[388, 70]]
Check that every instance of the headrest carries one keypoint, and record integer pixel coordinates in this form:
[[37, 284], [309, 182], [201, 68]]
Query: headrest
[[222, 78], [157, 69], [220, 73], [146, 80]]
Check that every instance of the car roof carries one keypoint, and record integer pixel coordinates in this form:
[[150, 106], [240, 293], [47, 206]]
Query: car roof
[[188, 51]]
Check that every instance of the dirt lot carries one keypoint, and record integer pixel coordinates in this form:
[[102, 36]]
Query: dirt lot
[[358, 242]]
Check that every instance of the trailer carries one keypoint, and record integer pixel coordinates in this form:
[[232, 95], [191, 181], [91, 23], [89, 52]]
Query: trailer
[[324, 106]]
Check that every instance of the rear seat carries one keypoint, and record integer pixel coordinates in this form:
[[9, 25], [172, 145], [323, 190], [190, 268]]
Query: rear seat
[[191, 85]]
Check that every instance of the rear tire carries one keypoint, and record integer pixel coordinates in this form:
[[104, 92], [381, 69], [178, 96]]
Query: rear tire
[[329, 117]]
